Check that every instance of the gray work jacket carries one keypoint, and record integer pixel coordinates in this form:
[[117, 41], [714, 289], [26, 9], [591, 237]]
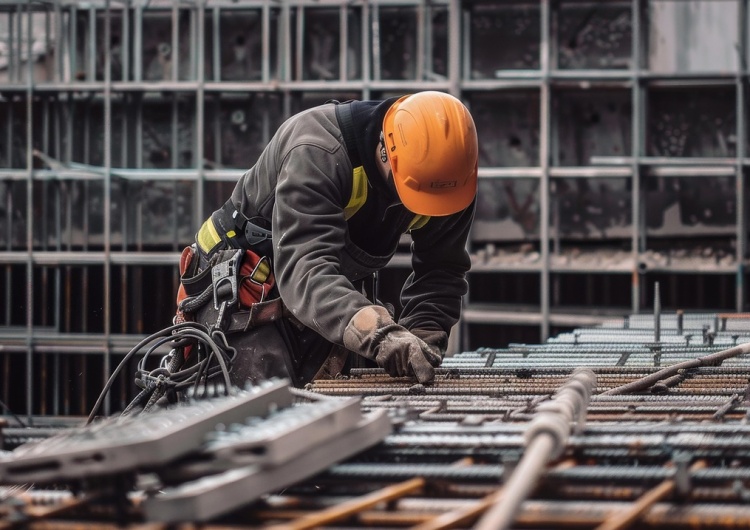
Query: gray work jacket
[[302, 183]]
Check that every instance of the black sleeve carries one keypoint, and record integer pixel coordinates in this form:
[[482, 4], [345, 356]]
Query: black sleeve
[[431, 296]]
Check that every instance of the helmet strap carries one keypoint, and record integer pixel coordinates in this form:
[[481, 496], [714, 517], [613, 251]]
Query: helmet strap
[[383, 155]]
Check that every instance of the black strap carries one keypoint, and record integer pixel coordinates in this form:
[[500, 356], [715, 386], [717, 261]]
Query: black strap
[[229, 217], [346, 124], [259, 313]]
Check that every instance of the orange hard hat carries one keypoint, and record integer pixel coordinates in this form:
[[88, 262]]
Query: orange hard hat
[[431, 143]]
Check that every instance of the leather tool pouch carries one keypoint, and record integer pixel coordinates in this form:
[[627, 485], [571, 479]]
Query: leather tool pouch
[[233, 292]]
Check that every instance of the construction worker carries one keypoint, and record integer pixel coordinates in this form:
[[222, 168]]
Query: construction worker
[[327, 203]]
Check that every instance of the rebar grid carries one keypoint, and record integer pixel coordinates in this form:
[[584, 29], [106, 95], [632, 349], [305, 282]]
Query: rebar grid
[[649, 455]]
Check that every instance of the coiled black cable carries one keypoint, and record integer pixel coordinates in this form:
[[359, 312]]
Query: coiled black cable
[[215, 358]]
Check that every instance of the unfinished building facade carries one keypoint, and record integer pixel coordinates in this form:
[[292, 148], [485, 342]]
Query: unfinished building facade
[[613, 140]]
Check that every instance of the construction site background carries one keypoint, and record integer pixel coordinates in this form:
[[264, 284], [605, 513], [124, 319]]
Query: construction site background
[[613, 141]]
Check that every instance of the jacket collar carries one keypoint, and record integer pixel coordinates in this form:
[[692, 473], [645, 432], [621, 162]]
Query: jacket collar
[[368, 123]]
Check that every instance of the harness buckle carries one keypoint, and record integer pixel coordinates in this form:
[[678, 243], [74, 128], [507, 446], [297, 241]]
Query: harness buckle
[[224, 280]]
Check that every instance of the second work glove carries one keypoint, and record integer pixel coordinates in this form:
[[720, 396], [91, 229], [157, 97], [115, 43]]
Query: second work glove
[[372, 333]]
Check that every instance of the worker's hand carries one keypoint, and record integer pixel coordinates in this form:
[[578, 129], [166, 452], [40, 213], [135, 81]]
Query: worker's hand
[[373, 334], [402, 353]]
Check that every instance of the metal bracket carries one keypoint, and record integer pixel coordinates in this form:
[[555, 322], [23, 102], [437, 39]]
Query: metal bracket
[[682, 478], [226, 273]]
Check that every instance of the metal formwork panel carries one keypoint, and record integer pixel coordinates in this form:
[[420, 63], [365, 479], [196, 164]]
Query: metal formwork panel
[[121, 444]]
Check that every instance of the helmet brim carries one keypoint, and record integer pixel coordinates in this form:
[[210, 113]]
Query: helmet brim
[[434, 202]]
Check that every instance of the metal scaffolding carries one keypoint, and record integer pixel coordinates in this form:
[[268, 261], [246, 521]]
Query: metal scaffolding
[[612, 153]]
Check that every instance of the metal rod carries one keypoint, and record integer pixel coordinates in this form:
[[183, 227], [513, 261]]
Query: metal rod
[[713, 359], [546, 437], [626, 518], [348, 508], [518, 488]]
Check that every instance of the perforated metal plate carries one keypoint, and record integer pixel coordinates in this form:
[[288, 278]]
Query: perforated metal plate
[[121, 444], [212, 496]]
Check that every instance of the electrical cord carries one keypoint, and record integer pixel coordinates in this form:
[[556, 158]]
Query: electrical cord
[[215, 359]]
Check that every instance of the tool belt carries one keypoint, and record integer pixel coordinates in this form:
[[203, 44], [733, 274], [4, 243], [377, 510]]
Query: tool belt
[[231, 292]]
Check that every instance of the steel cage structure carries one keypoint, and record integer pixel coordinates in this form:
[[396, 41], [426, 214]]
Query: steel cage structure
[[124, 123]]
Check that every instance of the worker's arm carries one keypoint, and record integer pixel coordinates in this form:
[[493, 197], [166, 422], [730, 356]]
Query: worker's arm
[[431, 296], [309, 233]]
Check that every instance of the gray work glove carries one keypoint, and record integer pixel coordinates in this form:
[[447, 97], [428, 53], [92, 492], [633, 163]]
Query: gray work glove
[[372, 333]]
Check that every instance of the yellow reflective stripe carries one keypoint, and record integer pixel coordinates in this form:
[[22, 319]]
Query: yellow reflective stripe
[[231, 234], [359, 197], [261, 271], [418, 222], [207, 237], [359, 192]]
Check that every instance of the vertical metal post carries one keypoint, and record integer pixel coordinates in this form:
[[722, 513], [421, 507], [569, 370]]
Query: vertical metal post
[[216, 45], [126, 99], [8, 280], [44, 235], [216, 125], [285, 54], [466, 49], [45, 111], [200, 115], [657, 313], [376, 47], [741, 246], [175, 129], [343, 42], [194, 58], [57, 140], [265, 43], [176, 162], [58, 77], [175, 43], [56, 377], [9, 131], [107, 197], [124, 196], [423, 33], [138, 131], [544, 187], [299, 48], [30, 390], [454, 79], [215, 99], [138, 44], [125, 47], [72, 48], [454, 47], [366, 49], [9, 246], [637, 143], [20, 73], [47, 46], [12, 50], [554, 150], [91, 47]]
